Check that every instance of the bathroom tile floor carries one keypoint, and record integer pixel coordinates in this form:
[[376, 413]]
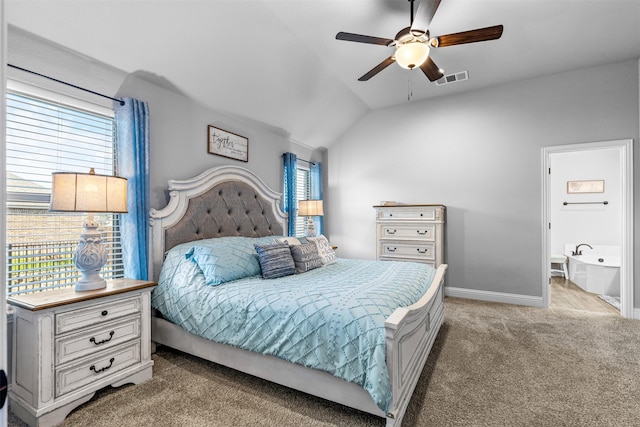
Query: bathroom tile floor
[[566, 294]]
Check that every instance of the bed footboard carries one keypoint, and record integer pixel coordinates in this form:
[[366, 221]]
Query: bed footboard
[[410, 333]]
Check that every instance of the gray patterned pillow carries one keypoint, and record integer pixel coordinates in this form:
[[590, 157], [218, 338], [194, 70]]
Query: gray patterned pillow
[[305, 257], [275, 260]]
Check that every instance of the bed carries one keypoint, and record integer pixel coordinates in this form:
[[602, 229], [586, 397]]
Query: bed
[[231, 203]]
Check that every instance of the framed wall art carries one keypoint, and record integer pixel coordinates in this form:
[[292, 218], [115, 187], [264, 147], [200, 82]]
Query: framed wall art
[[227, 144], [594, 186]]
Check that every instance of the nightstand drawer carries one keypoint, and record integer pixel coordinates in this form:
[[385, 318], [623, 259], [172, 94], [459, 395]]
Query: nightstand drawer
[[95, 314], [402, 231], [406, 250], [96, 339], [93, 368]]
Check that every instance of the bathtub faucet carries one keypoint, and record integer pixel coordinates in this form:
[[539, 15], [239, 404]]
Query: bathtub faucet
[[578, 251]]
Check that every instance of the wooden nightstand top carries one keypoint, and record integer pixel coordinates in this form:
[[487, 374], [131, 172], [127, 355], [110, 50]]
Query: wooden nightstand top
[[57, 297]]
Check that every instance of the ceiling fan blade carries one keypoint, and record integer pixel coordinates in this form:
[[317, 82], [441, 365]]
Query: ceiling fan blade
[[350, 37], [431, 70], [423, 17], [375, 70], [471, 36]]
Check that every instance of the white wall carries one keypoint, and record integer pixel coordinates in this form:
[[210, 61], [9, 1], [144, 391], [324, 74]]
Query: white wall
[[479, 153], [594, 224]]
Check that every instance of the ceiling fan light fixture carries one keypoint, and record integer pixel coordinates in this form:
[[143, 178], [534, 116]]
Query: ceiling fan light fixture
[[412, 54]]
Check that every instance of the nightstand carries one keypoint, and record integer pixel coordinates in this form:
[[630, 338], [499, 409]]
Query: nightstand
[[67, 345]]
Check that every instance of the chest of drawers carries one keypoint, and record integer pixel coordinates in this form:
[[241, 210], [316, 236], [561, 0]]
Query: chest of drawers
[[410, 233], [67, 345]]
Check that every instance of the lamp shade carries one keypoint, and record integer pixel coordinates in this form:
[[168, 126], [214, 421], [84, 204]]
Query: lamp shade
[[88, 192], [310, 208], [412, 54]]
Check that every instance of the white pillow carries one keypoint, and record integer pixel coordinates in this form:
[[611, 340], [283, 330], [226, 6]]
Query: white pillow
[[290, 240], [326, 252]]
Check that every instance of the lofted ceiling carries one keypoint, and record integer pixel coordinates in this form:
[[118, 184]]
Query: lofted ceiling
[[278, 62]]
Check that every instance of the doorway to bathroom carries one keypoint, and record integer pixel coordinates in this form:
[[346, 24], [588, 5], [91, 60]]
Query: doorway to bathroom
[[588, 198]]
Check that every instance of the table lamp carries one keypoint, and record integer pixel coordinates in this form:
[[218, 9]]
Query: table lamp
[[310, 208], [89, 193]]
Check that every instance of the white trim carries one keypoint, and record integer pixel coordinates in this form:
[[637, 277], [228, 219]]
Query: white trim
[[491, 296], [3, 204], [636, 313], [626, 179], [48, 95]]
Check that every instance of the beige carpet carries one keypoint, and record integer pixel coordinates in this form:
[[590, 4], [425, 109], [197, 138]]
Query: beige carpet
[[492, 365]]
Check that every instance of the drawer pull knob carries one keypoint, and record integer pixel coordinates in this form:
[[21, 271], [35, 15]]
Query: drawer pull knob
[[422, 251], [422, 233], [93, 340], [104, 312], [97, 371], [391, 249], [391, 232]]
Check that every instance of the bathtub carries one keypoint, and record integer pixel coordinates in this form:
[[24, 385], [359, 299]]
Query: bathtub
[[597, 270]]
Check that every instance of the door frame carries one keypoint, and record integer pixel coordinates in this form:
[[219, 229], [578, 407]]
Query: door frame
[[625, 148], [3, 286]]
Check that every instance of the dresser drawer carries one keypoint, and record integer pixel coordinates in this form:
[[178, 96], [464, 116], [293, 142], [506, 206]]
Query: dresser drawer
[[85, 371], [96, 314], [96, 339], [429, 213], [403, 231], [392, 250]]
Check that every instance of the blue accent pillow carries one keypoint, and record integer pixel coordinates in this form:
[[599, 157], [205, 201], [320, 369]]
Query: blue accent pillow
[[275, 260], [224, 259]]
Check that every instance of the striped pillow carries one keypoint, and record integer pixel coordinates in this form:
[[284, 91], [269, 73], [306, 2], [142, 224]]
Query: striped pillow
[[275, 260]]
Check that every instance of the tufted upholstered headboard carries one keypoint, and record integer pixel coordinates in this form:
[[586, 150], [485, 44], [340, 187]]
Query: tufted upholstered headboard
[[223, 201]]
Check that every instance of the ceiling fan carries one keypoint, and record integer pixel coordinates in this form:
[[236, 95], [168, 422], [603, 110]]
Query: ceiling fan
[[412, 44]]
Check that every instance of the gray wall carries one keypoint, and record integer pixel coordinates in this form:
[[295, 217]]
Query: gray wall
[[479, 153], [178, 137]]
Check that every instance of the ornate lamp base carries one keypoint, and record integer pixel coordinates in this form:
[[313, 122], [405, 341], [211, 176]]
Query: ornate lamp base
[[311, 229], [90, 257]]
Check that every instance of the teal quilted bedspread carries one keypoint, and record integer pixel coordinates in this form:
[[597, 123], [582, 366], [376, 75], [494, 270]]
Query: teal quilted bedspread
[[331, 318]]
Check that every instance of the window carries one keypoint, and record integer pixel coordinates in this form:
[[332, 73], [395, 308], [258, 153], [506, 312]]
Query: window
[[45, 136], [303, 192]]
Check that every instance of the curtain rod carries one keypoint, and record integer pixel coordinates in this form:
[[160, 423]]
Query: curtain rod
[[307, 161], [65, 83]]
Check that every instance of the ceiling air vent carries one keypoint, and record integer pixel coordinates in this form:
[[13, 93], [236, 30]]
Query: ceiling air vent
[[453, 78]]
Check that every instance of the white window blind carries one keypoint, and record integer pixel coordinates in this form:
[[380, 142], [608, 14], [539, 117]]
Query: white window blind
[[45, 137], [303, 189]]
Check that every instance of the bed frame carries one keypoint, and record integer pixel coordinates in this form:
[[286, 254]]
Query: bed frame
[[232, 201]]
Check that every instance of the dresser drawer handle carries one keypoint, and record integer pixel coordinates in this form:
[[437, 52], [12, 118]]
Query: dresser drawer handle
[[423, 251], [97, 371], [104, 312], [391, 249], [391, 232], [422, 233], [93, 340]]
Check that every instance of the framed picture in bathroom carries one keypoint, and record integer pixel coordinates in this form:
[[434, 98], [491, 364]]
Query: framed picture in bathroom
[[592, 186]]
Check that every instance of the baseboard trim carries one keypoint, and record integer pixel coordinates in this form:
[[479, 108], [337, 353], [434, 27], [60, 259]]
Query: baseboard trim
[[636, 313], [494, 296]]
